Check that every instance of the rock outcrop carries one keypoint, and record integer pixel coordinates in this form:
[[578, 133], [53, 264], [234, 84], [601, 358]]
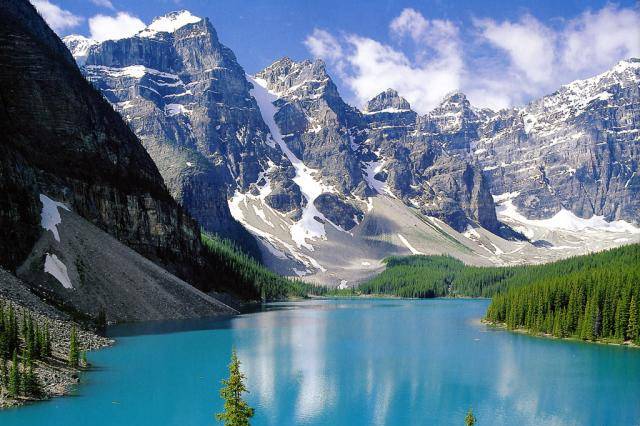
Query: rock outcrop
[[186, 97], [63, 141], [577, 149]]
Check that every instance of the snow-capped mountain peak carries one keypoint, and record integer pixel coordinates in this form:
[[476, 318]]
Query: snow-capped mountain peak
[[79, 46], [169, 23]]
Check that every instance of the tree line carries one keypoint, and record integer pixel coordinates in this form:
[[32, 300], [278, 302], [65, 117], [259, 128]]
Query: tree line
[[22, 343], [438, 276], [594, 297], [247, 278]]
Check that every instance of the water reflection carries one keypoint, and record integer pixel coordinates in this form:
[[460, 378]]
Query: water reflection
[[405, 362]]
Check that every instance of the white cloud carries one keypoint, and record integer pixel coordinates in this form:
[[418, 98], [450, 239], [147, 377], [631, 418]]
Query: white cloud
[[369, 67], [410, 22], [103, 3], [57, 18], [376, 67], [594, 41], [322, 44], [509, 62], [122, 25], [529, 44]]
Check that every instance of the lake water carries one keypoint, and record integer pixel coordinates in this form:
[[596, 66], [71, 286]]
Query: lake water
[[350, 362]]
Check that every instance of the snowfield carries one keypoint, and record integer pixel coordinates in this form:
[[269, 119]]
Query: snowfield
[[55, 267], [50, 216]]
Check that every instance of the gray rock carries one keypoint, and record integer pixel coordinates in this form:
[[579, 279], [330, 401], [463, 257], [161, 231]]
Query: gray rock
[[339, 211]]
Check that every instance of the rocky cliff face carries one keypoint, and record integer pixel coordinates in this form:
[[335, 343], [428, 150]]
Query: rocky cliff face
[[416, 159], [577, 149], [302, 167], [186, 97], [62, 139]]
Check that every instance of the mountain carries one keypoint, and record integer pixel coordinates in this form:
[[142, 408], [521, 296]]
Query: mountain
[[575, 150], [85, 218], [186, 97], [329, 190]]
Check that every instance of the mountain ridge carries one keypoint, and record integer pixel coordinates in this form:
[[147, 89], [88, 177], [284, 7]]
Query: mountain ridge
[[448, 164]]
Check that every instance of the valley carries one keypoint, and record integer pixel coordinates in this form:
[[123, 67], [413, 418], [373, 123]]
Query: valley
[[162, 206]]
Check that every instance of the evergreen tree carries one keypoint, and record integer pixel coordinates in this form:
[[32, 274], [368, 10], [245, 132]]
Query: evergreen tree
[[73, 348], [101, 321], [632, 329], [470, 419], [32, 386], [47, 341], [14, 376], [236, 411], [4, 374]]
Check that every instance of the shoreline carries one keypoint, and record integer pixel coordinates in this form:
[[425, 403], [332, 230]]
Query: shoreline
[[55, 376], [503, 326]]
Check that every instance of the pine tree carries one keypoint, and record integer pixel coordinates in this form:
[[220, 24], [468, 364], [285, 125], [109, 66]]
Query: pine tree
[[47, 341], [633, 333], [4, 374], [236, 411], [31, 383], [73, 348], [470, 419], [14, 376]]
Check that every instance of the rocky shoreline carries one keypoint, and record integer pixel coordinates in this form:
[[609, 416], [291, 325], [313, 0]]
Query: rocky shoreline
[[503, 326], [56, 377]]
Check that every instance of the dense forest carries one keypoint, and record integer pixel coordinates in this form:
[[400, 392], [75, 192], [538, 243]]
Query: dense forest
[[32, 341], [436, 276], [594, 297], [247, 278]]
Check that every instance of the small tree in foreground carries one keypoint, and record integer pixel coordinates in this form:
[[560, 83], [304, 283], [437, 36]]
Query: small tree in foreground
[[236, 410], [470, 420], [74, 355]]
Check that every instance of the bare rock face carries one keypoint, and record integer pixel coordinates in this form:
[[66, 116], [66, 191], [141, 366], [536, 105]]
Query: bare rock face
[[414, 160], [315, 122], [339, 211], [186, 97], [576, 149], [61, 138]]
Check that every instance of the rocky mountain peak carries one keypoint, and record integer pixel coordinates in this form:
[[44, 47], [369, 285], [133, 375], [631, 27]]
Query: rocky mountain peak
[[453, 115], [169, 23], [79, 46], [387, 101], [287, 77]]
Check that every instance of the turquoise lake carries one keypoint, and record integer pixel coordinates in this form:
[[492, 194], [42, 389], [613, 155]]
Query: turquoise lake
[[350, 362]]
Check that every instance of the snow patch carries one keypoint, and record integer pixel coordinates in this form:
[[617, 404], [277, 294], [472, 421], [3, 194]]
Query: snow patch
[[55, 267], [175, 109], [386, 110], [169, 23], [566, 220], [506, 196], [50, 216], [308, 227], [471, 233], [409, 246]]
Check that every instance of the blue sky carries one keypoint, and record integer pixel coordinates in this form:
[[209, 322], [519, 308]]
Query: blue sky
[[500, 53]]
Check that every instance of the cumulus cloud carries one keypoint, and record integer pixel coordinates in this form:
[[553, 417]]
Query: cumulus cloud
[[410, 22], [529, 44], [369, 67], [508, 62], [103, 3], [322, 44], [122, 25], [57, 18], [596, 40]]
